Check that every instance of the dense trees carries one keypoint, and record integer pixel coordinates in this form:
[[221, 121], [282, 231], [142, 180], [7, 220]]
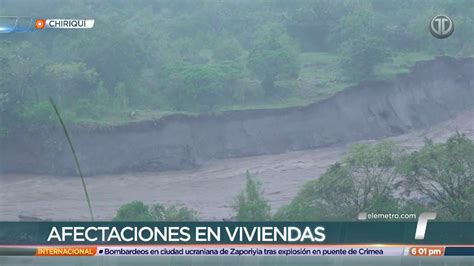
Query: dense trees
[[444, 173], [273, 57], [364, 181], [359, 56], [196, 56], [363, 42], [201, 86], [376, 178]]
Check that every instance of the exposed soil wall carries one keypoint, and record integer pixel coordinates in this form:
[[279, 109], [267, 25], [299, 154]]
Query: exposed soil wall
[[433, 92]]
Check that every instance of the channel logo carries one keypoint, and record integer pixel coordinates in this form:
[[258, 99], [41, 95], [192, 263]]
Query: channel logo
[[12, 24]]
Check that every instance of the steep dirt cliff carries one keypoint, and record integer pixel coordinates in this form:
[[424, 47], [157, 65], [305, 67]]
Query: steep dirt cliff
[[433, 92]]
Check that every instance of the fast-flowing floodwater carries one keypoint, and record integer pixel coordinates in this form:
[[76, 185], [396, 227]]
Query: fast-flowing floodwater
[[210, 189]]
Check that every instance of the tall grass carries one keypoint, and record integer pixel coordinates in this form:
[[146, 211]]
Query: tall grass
[[75, 157]]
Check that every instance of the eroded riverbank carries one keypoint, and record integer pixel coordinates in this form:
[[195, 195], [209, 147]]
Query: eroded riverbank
[[210, 189]]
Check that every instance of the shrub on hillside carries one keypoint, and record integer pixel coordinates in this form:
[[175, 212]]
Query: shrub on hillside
[[444, 172], [250, 205], [365, 181], [138, 211]]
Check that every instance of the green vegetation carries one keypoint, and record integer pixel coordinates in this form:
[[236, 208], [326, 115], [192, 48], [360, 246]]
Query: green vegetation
[[211, 56], [273, 57], [133, 211], [445, 174], [360, 56], [381, 178], [363, 181], [400, 64], [363, 44], [250, 204], [139, 211]]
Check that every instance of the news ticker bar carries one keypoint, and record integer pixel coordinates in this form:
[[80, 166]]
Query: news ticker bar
[[21, 24], [241, 250], [241, 233]]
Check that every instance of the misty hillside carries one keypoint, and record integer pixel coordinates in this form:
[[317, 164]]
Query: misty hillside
[[154, 58]]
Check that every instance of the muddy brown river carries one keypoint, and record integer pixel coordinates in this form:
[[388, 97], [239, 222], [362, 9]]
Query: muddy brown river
[[210, 189]]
